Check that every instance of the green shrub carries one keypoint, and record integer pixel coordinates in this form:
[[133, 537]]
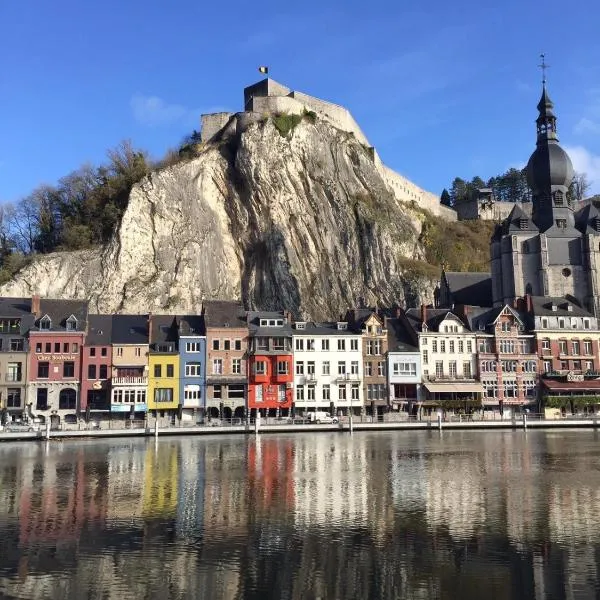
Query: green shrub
[[285, 123]]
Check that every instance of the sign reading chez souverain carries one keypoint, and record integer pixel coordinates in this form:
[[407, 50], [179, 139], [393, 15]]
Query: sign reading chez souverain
[[56, 357]]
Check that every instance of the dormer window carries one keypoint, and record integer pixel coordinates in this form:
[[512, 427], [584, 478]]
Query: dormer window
[[46, 323], [71, 324], [569, 307], [596, 223], [561, 223], [342, 326], [264, 322], [300, 325], [523, 224], [554, 307], [559, 199]]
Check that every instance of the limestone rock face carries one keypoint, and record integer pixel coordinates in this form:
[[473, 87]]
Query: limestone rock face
[[304, 222]]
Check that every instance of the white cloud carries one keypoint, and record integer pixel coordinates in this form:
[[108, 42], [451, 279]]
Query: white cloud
[[586, 162], [154, 111], [585, 125]]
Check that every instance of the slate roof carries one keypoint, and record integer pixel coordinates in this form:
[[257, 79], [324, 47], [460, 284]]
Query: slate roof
[[256, 330], [357, 317], [60, 310], [542, 306], [99, 330], [512, 223], [584, 219], [469, 288], [191, 325], [18, 308], [324, 328], [164, 329], [224, 313], [399, 338], [481, 318], [130, 329], [434, 317]]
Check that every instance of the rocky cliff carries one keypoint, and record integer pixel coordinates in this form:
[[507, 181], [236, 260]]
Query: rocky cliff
[[303, 221]]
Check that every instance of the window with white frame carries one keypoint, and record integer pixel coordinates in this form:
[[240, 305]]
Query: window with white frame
[[380, 368], [587, 347], [192, 393], [425, 357], [300, 393], [576, 347], [325, 345], [406, 369], [355, 391], [442, 346], [326, 367], [341, 367], [326, 392], [546, 345], [469, 346], [260, 367], [193, 369], [342, 392], [310, 392], [467, 368], [354, 367], [354, 344], [451, 346], [439, 368], [368, 369], [434, 346], [452, 368], [192, 347], [341, 344], [236, 366], [218, 366], [300, 367], [310, 367], [299, 344], [310, 344]]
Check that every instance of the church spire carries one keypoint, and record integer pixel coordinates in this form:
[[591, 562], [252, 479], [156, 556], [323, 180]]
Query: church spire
[[546, 121]]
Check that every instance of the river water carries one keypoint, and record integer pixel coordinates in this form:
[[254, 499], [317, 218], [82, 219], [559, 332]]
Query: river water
[[465, 515]]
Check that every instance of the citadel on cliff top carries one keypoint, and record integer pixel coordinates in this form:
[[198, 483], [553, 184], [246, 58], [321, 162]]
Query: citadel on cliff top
[[270, 97]]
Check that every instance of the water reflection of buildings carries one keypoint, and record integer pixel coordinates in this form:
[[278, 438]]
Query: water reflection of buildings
[[161, 472], [331, 481], [125, 482]]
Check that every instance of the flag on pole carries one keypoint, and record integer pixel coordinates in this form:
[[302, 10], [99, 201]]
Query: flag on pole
[[264, 70]]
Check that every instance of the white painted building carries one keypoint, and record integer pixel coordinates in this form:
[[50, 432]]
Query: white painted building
[[448, 354], [328, 367], [403, 367]]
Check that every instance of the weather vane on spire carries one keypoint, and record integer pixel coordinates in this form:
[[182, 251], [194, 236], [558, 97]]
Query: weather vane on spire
[[543, 67]]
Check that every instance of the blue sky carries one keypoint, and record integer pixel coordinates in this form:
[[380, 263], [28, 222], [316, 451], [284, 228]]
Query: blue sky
[[442, 90]]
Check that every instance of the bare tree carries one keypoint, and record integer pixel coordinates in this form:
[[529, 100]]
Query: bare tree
[[579, 187]]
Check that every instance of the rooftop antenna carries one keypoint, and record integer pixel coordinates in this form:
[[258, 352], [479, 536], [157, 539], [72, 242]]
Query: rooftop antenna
[[543, 67]]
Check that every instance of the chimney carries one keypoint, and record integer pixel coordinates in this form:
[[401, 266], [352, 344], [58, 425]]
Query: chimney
[[35, 305], [288, 316], [423, 313], [528, 303], [150, 327]]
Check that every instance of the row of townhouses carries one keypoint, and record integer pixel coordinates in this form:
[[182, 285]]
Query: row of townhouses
[[60, 363]]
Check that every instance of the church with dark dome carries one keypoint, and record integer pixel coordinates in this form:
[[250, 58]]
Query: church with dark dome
[[556, 251]]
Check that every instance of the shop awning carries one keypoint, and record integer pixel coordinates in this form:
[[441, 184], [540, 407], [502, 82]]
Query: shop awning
[[445, 388], [590, 385]]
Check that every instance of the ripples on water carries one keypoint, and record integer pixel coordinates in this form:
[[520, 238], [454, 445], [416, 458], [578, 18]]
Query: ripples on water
[[465, 515]]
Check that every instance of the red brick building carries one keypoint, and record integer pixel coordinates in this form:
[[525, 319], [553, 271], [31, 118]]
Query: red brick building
[[96, 363], [56, 342], [270, 364]]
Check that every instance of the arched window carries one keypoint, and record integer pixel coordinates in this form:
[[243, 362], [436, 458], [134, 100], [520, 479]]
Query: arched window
[[67, 399]]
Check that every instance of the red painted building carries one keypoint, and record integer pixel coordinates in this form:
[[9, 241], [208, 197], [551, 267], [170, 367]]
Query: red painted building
[[56, 342], [270, 363], [96, 363]]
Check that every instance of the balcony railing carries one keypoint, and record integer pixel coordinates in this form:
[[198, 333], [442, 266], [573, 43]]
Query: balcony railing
[[343, 377], [130, 380]]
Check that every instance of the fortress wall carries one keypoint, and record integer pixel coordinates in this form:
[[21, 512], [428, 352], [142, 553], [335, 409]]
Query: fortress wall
[[339, 116], [276, 104], [213, 123], [407, 191], [498, 211]]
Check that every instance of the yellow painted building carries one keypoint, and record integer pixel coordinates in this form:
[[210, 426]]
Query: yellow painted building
[[163, 364]]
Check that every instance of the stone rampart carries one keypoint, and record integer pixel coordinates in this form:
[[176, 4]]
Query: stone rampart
[[212, 124], [495, 211]]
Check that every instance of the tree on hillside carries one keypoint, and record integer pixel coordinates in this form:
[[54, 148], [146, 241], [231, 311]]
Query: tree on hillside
[[445, 198], [579, 187]]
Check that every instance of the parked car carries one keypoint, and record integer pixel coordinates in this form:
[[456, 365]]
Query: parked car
[[19, 427], [321, 417]]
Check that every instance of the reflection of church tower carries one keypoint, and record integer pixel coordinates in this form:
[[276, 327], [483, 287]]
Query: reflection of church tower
[[555, 252]]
